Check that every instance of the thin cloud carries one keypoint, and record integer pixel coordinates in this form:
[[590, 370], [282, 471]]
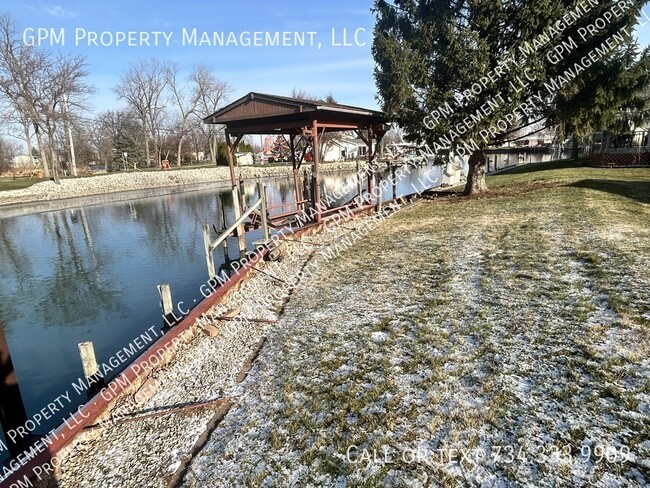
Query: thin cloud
[[59, 11]]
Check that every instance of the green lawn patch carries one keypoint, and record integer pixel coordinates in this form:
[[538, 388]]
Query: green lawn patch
[[8, 183]]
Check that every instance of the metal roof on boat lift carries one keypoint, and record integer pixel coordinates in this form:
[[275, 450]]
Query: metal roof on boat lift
[[260, 113]]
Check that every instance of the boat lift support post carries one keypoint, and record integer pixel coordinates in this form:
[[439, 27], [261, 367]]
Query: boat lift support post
[[238, 200], [373, 133]]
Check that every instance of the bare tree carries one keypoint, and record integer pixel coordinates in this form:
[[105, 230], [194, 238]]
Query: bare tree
[[326, 137], [36, 85], [19, 127], [143, 88], [301, 94], [19, 64], [185, 101], [8, 152], [210, 93], [197, 140], [84, 149], [61, 86]]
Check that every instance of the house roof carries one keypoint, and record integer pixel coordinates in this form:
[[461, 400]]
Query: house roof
[[257, 113]]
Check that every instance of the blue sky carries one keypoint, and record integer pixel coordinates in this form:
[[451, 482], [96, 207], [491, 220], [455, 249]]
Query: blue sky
[[345, 71]]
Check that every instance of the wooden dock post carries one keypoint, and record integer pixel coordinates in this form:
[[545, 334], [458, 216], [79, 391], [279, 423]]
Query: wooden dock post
[[226, 255], [359, 180], [88, 360], [380, 198], [241, 232], [305, 188], [296, 171], [90, 367], [165, 293], [315, 196], [224, 226], [242, 196], [211, 245], [261, 189], [12, 408], [209, 258]]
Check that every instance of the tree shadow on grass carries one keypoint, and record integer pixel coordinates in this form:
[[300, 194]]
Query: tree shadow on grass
[[637, 190]]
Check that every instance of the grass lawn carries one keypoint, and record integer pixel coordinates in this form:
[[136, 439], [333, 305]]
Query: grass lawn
[[499, 341], [11, 184]]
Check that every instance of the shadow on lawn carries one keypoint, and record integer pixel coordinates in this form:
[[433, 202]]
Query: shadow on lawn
[[637, 190]]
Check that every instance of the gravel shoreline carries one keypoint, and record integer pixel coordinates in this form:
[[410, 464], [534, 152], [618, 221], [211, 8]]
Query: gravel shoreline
[[121, 182], [150, 451]]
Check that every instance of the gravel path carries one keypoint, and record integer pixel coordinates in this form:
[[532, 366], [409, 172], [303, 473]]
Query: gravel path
[[118, 182]]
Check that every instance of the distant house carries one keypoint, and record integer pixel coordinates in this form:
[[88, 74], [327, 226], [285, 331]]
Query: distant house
[[631, 149], [22, 162], [345, 148], [197, 156], [244, 159], [535, 140]]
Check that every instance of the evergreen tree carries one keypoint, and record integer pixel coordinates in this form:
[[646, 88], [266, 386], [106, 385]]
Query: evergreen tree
[[124, 143], [463, 75], [222, 152]]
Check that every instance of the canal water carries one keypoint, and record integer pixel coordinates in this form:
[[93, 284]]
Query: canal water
[[500, 160], [88, 272]]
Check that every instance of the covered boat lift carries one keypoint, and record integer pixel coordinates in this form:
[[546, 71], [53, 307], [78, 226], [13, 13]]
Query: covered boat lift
[[305, 122]]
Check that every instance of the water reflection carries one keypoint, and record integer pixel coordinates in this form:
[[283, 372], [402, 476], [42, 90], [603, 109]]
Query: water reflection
[[74, 292], [501, 160]]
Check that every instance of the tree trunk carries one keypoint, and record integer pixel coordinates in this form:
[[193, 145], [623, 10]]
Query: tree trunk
[[55, 165], [73, 157], [605, 144], [146, 150], [30, 148], [213, 148], [68, 130], [179, 153], [476, 174], [41, 150], [53, 156], [575, 149]]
